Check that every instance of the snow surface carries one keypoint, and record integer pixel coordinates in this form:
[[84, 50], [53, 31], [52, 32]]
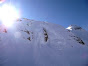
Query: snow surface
[[36, 43], [80, 32]]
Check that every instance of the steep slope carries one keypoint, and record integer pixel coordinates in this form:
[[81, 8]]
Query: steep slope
[[36, 43], [79, 32]]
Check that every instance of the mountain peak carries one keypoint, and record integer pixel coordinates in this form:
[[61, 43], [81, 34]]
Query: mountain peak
[[74, 27]]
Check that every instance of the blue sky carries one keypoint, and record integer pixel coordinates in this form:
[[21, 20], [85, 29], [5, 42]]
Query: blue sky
[[63, 12]]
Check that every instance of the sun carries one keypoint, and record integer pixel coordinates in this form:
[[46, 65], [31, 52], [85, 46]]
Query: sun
[[8, 14]]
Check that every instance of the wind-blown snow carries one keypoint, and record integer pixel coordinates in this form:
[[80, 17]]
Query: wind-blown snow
[[36, 43]]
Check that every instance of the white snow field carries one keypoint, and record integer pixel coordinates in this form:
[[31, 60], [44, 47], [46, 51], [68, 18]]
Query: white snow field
[[36, 43]]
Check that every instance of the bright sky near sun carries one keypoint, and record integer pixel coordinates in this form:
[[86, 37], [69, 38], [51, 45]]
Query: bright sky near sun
[[8, 14], [63, 12]]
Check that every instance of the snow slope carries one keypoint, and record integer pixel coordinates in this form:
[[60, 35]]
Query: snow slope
[[36, 43], [80, 32]]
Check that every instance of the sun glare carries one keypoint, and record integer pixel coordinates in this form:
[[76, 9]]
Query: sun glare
[[1, 1], [8, 14]]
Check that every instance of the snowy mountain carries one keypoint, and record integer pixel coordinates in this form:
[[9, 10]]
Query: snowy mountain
[[36, 43], [79, 32]]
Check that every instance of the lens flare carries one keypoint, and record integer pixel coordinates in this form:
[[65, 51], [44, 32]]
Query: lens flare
[[1, 1], [8, 14]]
